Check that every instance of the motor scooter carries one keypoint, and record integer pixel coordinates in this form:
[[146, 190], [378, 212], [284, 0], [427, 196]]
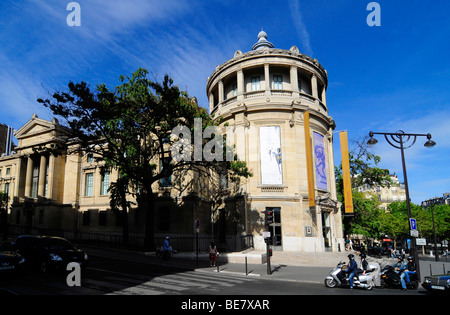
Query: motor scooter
[[338, 277], [390, 278]]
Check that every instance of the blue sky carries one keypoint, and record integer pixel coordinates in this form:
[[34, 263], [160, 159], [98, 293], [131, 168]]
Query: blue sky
[[395, 76]]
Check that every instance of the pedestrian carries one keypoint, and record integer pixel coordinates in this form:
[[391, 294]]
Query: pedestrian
[[347, 244], [212, 254], [166, 248], [352, 267]]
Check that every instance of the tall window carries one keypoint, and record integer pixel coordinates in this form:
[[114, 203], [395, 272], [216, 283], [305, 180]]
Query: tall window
[[277, 82], [89, 185], [235, 89], [46, 182], [256, 86], [35, 182], [105, 183]]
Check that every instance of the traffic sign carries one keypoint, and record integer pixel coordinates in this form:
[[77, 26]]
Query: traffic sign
[[414, 233], [197, 225], [413, 224], [421, 241]]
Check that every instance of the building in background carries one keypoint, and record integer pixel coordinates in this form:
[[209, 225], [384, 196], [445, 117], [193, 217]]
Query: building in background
[[387, 194]]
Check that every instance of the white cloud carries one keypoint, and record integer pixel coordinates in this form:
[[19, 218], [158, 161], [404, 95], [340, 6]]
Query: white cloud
[[296, 14]]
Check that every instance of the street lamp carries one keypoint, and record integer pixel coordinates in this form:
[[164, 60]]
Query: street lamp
[[431, 203], [401, 140]]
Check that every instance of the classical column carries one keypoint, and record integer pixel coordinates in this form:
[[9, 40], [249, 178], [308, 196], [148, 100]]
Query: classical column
[[221, 93], [294, 81], [42, 173], [267, 79], [240, 85], [29, 177], [18, 178], [314, 86], [324, 97], [211, 102]]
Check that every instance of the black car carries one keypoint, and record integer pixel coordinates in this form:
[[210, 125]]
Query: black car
[[437, 284], [49, 252], [10, 261]]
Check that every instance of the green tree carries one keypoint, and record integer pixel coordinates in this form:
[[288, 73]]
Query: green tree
[[366, 220], [363, 171], [395, 220], [131, 128]]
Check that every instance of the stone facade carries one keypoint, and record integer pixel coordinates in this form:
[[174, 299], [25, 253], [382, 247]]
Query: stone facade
[[262, 97]]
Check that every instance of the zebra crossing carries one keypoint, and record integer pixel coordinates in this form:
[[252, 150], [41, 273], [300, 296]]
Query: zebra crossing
[[183, 283], [98, 281]]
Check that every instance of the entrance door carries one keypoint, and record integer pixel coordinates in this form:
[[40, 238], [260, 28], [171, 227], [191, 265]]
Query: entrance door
[[275, 228], [326, 230]]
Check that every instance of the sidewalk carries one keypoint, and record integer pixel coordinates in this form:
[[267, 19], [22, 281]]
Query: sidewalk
[[285, 266]]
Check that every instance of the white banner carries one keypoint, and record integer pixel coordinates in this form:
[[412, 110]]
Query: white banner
[[270, 153]]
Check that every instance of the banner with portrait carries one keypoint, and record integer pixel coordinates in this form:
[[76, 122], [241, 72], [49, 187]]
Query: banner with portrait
[[320, 161], [270, 155]]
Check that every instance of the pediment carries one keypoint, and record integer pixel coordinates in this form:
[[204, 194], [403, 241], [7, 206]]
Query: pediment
[[35, 126]]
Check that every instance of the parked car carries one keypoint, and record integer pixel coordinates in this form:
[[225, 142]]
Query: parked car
[[437, 284], [377, 251], [49, 252], [10, 261]]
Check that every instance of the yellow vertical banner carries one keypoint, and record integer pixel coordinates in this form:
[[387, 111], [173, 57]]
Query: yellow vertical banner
[[309, 161], [346, 178]]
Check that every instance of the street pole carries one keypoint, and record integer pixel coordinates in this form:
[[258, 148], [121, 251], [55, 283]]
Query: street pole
[[408, 208], [436, 254], [398, 140]]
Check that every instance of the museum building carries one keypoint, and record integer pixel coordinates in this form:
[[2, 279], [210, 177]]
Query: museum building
[[272, 106], [267, 96]]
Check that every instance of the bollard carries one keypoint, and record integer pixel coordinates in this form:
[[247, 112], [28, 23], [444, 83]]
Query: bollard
[[246, 273]]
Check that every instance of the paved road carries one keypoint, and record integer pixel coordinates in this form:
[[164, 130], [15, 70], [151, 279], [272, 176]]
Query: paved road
[[106, 276]]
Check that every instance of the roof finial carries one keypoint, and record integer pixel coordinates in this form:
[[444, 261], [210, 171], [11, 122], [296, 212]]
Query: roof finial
[[262, 41]]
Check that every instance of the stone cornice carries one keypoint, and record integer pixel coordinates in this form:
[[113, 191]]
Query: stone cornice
[[293, 53]]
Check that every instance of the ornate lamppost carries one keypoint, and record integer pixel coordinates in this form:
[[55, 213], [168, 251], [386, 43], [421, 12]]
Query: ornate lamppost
[[401, 140]]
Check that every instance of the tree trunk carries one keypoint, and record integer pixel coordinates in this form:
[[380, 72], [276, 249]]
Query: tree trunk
[[125, 232], [149, 238]]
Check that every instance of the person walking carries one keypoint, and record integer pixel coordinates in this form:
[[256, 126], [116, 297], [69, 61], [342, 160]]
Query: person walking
[[212, 254], [166, 248]]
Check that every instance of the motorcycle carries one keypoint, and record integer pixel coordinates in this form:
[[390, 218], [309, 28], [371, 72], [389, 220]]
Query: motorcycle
[[338, 277], [390, 278]]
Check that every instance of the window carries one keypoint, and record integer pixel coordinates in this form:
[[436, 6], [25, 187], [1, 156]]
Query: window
[[89, 185], [165, 181], [35, 182], [256, 86], [223, 180], [278, 82], [7, 188], [105, 183], [8, 171], [102, 218], [90, 158], [235, 89], [46, 183], [86, 218]]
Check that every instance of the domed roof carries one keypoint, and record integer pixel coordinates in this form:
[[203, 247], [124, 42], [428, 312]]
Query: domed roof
[[262, 42]]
